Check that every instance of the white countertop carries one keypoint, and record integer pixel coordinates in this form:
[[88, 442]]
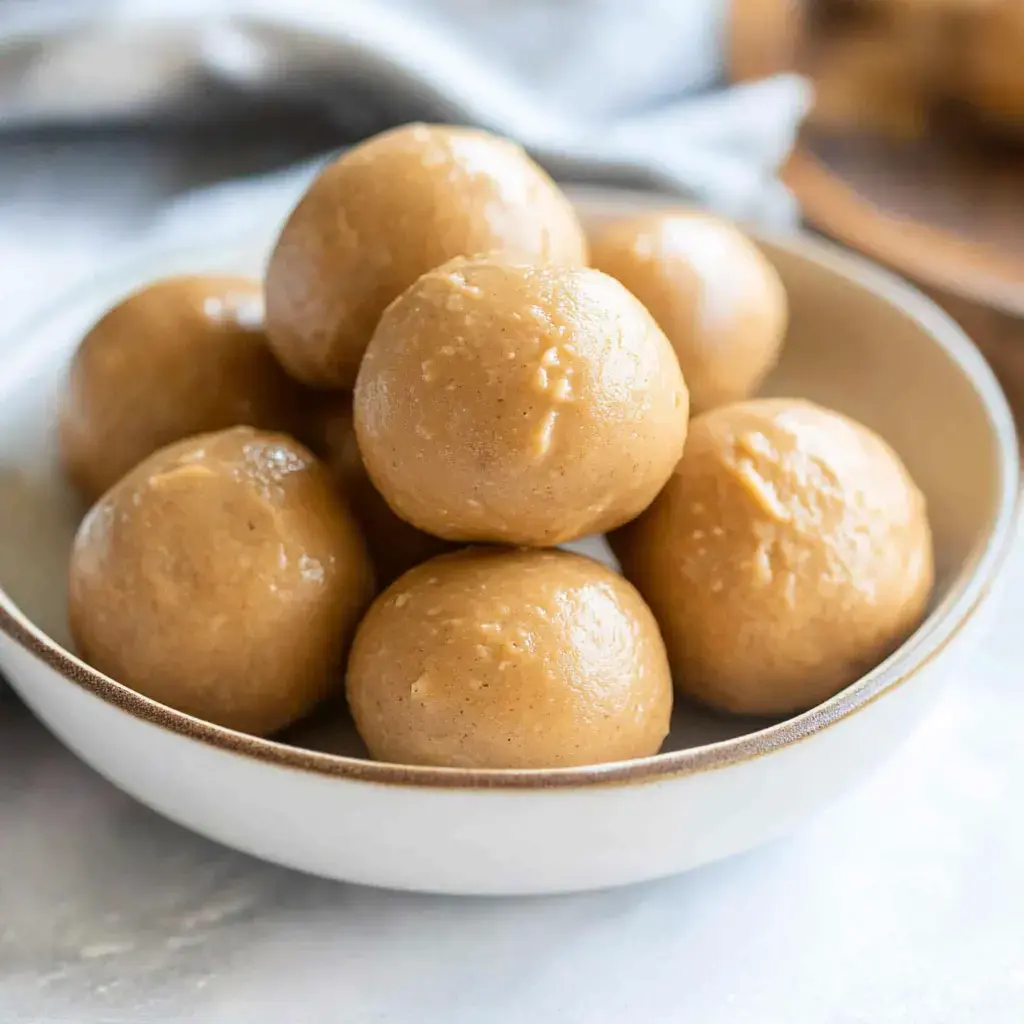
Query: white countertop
[[903, 903]]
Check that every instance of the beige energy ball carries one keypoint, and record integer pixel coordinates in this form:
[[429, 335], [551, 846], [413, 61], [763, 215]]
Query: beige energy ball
[[522, 404], [183, 356], [389, 210], [394, 544], [713, 293], [789, 553], [500, 658], [222, 577]]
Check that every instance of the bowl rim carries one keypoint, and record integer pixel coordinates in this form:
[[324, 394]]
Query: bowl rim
[[966, 594]]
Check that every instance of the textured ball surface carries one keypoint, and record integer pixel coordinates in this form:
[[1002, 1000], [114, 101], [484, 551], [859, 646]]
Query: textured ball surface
[[183, 356], [521, 404], [789, 554], [386, 212], [499, 658], [222, 577], [714, 294]]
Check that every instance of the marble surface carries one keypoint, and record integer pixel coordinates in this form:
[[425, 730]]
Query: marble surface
[[903, 903]]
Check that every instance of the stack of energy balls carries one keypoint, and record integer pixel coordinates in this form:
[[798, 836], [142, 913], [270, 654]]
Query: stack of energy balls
[[448, 383]]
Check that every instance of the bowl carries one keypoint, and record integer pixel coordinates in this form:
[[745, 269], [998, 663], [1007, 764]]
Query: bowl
[[860, 341]]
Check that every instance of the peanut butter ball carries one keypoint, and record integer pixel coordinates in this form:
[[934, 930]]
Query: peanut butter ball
[[183, 356], [789, 554], [716, 297], [394, 545], [389, 210], [501, 658], [524, 404], [223, 577]]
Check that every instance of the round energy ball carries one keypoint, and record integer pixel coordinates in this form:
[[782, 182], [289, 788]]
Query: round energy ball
[[520, 404], [223, 577], [389, 210], [394, 545], [716, 297], [789, 553], [500, 658], [183, 356]]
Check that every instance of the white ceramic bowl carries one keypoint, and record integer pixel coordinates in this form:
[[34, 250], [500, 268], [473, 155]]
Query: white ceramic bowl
[[860, 342]]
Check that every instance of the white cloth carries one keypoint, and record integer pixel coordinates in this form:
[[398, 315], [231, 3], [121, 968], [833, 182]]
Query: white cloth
[[598, 90]]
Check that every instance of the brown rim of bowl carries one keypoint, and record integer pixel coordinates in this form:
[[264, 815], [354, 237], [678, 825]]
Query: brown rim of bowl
[[926, 643]]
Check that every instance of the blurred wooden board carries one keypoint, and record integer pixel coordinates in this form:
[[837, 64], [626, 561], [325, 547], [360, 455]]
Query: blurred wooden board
[[948, 217], [945, 209], [953, 224]]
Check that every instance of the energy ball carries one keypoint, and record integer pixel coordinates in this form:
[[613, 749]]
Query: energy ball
[[716, 297], [394, 545], [183, 356], [223, 577], [789, 553], [500, 658], [520, 404], [389, 210]]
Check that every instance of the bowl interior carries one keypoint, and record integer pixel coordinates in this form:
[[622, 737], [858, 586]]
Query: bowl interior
[[851, 350], [858, 342]]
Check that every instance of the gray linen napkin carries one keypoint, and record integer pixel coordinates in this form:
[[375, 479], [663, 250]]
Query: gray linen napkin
[[601, 91]]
